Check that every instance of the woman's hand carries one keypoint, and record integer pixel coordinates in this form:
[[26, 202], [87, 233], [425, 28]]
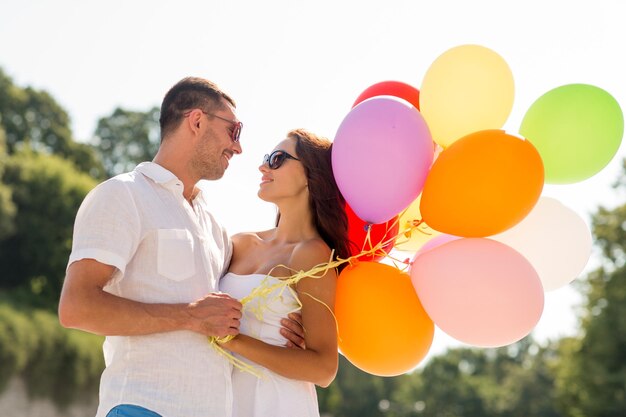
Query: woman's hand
[[293, 331]]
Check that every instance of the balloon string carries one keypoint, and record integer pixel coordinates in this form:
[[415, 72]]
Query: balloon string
[[237, 363], [330, 310], [265, 289]]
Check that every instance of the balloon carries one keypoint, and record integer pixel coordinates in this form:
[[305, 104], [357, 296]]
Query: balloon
[[554, 239], [435, 242], [483, 184], [577, 129], [412, 240], [381, 155], [418, 237], [391, 88], [357, 235], [383, 329], [467, 88], [479, 291]]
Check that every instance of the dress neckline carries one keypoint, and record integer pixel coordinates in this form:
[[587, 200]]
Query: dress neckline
[[250, 275], [255, 275]]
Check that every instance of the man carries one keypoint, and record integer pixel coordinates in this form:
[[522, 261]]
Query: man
[[145, 264]]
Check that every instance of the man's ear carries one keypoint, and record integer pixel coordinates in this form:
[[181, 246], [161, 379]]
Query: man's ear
[[194, 119]]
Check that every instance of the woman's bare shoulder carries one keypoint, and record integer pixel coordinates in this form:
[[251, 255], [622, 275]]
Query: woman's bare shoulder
[[310, 253]]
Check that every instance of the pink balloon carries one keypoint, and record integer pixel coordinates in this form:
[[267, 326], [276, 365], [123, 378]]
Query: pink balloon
[[435, 242], [381, 156], [479, 291]]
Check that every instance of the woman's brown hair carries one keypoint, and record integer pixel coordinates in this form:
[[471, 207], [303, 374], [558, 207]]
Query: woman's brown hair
[[325, 200]]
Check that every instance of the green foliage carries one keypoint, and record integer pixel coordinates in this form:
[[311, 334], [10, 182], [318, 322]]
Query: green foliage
[[353, 393], [57, 363], [514, 381], [569, 381], [7, 211], [17, 343], [450, 384], [47, 191], [33, 119], [126, 138], [7, 208], [65, 361], [593, 375]]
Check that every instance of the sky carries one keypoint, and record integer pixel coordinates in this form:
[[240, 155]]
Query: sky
[[291, 64]]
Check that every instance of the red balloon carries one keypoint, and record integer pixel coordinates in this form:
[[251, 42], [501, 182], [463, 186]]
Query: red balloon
[[391, 88], [382, 232]]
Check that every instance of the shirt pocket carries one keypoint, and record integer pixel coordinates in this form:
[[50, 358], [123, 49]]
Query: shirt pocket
[[175, 254]]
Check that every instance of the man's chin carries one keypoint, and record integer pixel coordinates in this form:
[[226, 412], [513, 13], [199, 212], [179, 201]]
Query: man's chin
[[213, 178]]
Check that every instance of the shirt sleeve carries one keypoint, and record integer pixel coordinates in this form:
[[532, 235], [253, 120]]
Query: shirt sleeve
[[223, 241], [107, 226], [228, 250]]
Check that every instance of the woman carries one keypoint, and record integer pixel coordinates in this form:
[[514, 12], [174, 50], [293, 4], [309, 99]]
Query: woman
[[297, 177]]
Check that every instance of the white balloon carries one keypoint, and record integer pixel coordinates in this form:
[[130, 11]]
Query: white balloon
[[554, 239]]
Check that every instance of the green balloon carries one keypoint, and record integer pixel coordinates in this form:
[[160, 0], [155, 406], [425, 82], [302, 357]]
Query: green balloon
[[576, 128]]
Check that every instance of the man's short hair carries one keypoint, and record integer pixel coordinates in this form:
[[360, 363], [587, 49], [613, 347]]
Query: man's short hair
[[189, 93]]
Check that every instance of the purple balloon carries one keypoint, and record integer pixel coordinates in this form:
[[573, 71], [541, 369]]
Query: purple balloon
[[381, 155]]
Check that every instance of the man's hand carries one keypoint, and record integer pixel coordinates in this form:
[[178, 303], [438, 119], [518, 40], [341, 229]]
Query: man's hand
[[216, 314], [293, 330]]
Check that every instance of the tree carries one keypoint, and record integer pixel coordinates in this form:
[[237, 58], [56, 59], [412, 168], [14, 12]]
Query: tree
[[353, 393], [520, 381], [450, 384], [512, 381], [47, 192], [44, 175], [7, 208], [33, 119], [126, 138], [593, 378]]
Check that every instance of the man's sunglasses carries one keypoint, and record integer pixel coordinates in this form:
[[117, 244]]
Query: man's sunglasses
[[237, 126], [275, 159]]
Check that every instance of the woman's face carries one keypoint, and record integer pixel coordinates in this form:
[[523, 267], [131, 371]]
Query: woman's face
[[283, 177]]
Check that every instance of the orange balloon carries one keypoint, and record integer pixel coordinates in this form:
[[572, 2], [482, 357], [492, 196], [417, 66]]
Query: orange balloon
[[383, 328], [483, 184]]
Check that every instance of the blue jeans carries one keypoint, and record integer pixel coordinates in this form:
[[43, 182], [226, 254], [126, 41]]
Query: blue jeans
[[128, 410]]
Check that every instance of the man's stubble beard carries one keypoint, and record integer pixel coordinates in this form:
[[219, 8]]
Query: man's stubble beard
[[207, 162]]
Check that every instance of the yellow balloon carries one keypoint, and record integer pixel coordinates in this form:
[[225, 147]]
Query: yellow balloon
[[466, 89], [416, 238]]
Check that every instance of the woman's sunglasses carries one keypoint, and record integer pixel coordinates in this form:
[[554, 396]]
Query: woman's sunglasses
[[276, 159]]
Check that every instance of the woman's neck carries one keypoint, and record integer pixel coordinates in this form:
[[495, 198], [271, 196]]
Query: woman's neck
[[296, 224]]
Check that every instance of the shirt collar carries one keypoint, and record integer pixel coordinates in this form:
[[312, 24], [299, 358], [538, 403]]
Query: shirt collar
[[163, 176], [156, 172]]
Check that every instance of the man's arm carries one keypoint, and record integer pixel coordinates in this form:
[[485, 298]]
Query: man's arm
[[85, 305]]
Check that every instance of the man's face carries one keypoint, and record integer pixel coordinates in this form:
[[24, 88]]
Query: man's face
[[216, 147]]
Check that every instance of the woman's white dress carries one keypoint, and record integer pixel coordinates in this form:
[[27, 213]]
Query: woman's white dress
[[271, 395]]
